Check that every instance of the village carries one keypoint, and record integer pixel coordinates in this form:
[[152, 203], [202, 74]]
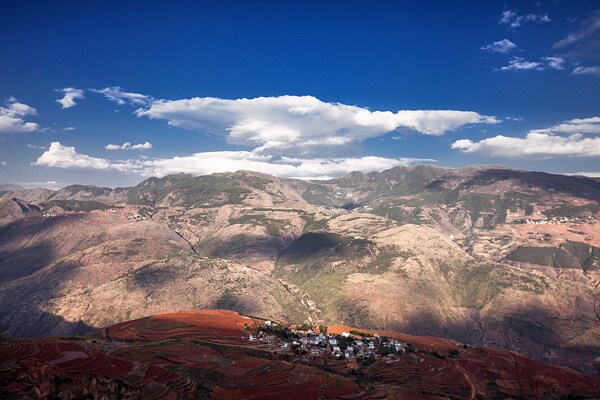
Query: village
[[558, 221], [305, 341]]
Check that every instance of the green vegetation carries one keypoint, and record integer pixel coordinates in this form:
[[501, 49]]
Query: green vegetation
[[569, 210], [569, 255], [273, 226], [319, 195], [359, 333], [396, 213], [313, 224], [77, 205], [384, 260], [189, 191], [228, 300], [476, 284]]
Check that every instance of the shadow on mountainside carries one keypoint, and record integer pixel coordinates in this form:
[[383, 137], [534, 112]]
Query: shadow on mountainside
[[582, 187], [35, 323], [18, 256]]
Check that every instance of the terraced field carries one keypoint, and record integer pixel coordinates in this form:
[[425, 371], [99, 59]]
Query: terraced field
[[208, 354]]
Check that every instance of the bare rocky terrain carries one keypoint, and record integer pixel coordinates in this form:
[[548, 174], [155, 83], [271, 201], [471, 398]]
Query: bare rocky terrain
[[484, 255]]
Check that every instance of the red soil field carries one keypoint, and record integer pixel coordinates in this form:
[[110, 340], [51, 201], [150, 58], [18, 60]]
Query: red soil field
[[207, 354]]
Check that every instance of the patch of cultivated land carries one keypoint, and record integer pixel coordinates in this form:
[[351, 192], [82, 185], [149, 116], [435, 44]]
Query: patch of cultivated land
[[213, 353]]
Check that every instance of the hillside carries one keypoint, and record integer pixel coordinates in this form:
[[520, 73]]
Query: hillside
[[487, 255], [224, 355]]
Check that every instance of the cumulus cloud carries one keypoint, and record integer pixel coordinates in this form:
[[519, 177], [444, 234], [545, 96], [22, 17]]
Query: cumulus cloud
[[501, 46], [69, 96], [11, 117], [301, 125], [586, 70], [519, 64], [60, 156], [565, 139], [121, 97], [128, 146], [513, 20]]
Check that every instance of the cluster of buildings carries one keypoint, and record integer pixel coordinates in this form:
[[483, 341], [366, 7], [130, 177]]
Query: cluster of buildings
[[346, 345], [560, 220], [139, 215]]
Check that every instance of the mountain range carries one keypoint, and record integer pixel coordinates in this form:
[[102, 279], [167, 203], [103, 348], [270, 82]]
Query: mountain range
[[483, 255]]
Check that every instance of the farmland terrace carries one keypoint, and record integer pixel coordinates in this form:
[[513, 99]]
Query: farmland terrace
[[224, 355]]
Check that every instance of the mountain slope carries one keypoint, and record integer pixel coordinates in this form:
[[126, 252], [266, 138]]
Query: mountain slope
[[483, 255]]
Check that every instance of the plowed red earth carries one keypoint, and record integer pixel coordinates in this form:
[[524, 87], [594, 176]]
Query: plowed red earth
[[207, 354]]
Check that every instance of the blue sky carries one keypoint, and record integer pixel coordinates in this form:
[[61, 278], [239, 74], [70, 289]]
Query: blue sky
[[328, 88]]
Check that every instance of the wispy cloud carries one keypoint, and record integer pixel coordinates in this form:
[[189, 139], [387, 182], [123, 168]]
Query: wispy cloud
[[59, 156], [555, 62], [301, 125], [117, 95], [69, 97], [128, 146], [69, 128], [566, 139], [33, 146], [513, 20], [12, 117], [501, 46], [588, 29], [586, 70], [520, 64], [577, 125]]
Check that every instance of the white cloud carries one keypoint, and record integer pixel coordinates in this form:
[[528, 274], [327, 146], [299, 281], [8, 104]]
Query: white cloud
[[519, 64], [128, 146], [120, 97], [3, 164], [60, 156], [566, 139], [70, 95], [301, 125], [514, 20], [540, 145], [586, 174], [577, 125], [586, 71], [11, 117], [588, 29], [501, 46], [555, 62], [69, 128], [32, 146]]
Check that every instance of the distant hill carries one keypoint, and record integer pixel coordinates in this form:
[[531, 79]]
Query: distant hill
[[7, 187], [483, 255]]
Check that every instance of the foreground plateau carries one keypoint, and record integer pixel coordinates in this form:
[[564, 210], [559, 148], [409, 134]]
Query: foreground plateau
[[224, 355]]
